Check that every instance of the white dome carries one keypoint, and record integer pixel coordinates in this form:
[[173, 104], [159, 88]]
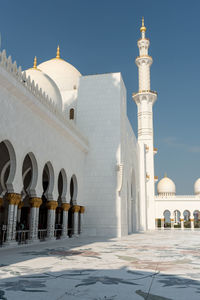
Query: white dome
[[197, 187], [65, 75], [46, 84], [166, 187]]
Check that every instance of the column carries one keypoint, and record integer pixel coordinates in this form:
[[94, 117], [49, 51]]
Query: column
[[162, 223], [34, 216], [82, 210], [182, 222], [76, 209], [51, 205], [65, 207], [172, 223], [156, 223], [1, 210], [192, 222], [14, 200], [20, 205]]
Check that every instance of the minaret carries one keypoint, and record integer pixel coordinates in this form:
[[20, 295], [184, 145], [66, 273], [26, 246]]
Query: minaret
[[145, 99]]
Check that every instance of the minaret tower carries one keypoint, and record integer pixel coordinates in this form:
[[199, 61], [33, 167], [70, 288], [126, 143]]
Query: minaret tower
[[145, 99]]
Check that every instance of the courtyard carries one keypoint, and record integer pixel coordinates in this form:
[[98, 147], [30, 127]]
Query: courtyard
[[156, 265]]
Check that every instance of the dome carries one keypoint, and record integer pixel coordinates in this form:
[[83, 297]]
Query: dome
[[65, 75], [166, 187], [46, 84], [197, 187]]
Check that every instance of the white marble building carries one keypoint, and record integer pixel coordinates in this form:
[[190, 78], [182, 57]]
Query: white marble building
[[70, 163]]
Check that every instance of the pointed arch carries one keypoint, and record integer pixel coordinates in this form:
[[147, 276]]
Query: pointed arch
[[8, 164]]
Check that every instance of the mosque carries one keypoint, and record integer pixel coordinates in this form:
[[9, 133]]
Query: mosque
[[70, 163]]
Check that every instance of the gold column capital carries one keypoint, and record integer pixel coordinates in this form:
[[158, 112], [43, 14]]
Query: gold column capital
[[162, 219], [20, 205], [65, 206], [75, 208], [1, 202], [13, 198], [192, 220], [181, 220], [35, 202], [82, 209], [52, 205]]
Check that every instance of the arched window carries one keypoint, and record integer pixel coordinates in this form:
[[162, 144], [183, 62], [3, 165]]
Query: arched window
[[71, 114]]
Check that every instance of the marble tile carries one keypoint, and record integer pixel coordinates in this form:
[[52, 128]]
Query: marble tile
[[152, 266]]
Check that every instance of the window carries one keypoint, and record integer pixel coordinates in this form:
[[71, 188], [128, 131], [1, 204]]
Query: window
[[71, 114]]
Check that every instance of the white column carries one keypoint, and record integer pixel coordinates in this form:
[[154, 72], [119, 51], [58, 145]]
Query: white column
[[182, 222], [14, 222], [192, 223], [14, 200], [32, 223], [172, 223], [10, 222], [37, 222], [51, 205], [34, 216], [65, 207], [76, 215], [162, 223], [82, 210], [76, 210]]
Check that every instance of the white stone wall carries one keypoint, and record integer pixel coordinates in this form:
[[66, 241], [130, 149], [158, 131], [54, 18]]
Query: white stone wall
[[30, 126], [101, 115], [178, 202]]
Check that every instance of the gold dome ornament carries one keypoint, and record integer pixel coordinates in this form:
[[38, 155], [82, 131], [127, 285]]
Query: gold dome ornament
[[35, 63], [58, 52], [143, 28]]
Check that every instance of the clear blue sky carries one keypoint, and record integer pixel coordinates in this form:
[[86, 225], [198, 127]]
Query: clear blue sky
[[99, 36]]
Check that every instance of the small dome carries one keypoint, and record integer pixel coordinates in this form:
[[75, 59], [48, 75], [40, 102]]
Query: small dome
[[65, 75], [166, 187], [197, 187], [46, 84]]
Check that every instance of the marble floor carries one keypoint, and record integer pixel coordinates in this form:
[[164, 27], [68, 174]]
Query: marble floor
[[158, 265]]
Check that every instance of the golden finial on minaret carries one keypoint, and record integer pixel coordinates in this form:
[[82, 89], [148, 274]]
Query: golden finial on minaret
[[35, 63], [165, 175], [143, 28], [58, 52]]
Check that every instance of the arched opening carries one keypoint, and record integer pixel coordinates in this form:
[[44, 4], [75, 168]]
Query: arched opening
[[47, 183], [196, 215], [71, 114], [186, 215], [7, 173], [29, 177], [167, 221], [177, 219], [62, 190], [73, 197]]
